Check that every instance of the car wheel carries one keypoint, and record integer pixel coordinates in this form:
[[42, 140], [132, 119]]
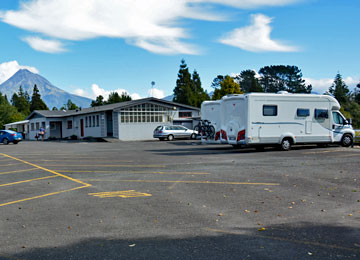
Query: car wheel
[[15, 142], [5, 141], [346, 140], [170, 137], [193, 136], [285, 144]]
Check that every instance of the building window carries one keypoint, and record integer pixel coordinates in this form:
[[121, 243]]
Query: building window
[[69, 124], [32, 127], [321, 114], [269, 110], [52, 126], [89, 121], [185, 114], [37, 125], [97, 120], [302, 112], [86, 121]]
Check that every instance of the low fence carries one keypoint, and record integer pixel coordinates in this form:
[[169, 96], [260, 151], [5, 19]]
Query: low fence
[[357, 135]]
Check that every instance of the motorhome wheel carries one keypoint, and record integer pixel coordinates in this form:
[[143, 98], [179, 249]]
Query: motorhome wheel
[[347, 140], [286, 144]]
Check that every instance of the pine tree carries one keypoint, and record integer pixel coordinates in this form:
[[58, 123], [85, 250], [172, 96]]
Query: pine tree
[[98, 102], [36, 102], [114, 97], [199, 94], [21, 102], [188, 88], [183, 90], [69, 106], [339, 89]]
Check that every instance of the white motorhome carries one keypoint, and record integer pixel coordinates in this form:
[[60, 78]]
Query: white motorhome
[[211, 111], [260, 119]]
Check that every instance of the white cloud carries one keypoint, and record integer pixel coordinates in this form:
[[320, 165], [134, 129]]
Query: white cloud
[[135, 96], [150, 24], [97, 91], [322, 85], [8, 69], [156, 93], [256, 37], [49, 46]]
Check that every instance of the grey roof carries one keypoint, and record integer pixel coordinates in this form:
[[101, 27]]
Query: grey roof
[[63, 113]]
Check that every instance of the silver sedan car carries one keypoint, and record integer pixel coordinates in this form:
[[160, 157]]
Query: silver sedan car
[[170, 132]]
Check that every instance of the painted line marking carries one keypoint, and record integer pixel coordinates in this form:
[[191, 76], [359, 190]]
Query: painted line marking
[[121, 194], [72, 159], [285, 239], [11, 164], [138, 172], [47, 170], [193, 182], [106, 165], [345, 155], [42, 196], [85, 185], [26, 170], [19, 182], [327, 151]]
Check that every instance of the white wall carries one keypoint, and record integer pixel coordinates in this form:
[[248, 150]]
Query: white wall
[[137, 131]]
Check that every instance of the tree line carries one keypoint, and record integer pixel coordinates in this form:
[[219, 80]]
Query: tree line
[[270, 79]]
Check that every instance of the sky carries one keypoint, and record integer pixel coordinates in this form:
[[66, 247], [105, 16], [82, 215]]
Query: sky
[[94, 47]]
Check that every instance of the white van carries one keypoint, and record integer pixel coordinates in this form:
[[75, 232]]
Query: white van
[[259, 119]]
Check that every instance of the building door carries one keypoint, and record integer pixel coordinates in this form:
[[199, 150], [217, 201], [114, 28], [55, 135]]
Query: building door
[[82, 127]]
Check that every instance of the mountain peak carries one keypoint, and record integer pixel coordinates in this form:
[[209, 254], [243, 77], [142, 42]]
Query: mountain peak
[[52, 95], [24, 72]]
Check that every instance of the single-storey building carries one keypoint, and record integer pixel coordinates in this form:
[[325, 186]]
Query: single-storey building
[[131, 120]]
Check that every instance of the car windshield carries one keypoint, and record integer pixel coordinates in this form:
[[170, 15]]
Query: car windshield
[[158, 128]]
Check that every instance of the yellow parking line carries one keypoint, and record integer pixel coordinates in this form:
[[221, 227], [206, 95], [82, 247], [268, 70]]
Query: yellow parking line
[[318, 152], [76, 159], [286, 240], [47, 170], [42, 196], [194, 182], [138, 172], [26, 170], [18, 182], [106, 165]]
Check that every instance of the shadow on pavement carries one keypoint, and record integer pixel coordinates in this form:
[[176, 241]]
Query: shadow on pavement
[[298, 241]]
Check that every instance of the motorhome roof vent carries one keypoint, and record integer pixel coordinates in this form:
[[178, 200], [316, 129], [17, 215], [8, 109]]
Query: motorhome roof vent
[[282, 92]]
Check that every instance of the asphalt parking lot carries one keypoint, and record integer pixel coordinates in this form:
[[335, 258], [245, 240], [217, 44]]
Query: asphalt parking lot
[[177, 200]]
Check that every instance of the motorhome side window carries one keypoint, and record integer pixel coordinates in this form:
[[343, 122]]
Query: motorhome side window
[[302, 112], [321, 113], [269, 110]]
